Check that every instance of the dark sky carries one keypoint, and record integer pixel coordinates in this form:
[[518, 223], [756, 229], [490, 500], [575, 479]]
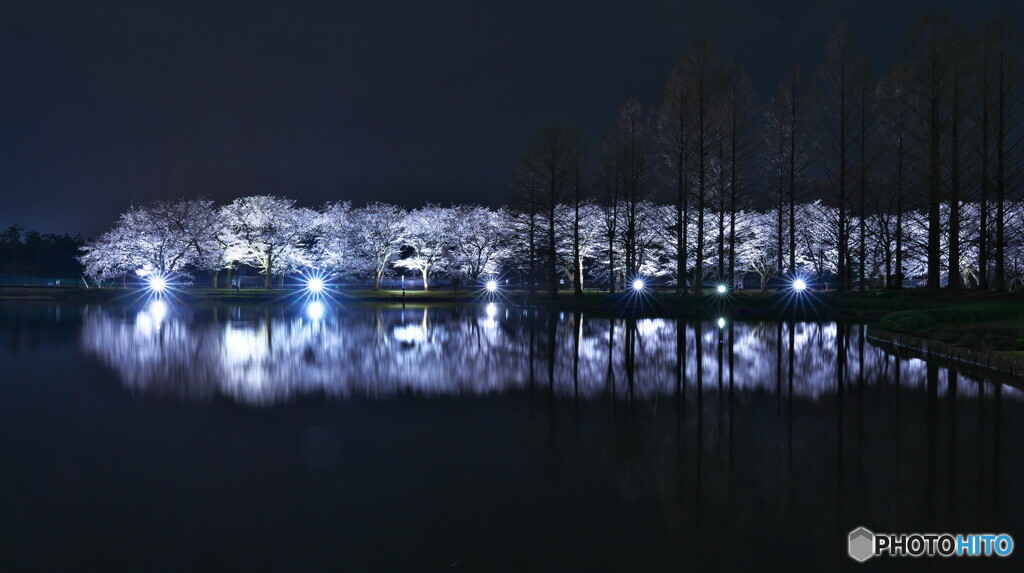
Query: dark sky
[[107, 103]]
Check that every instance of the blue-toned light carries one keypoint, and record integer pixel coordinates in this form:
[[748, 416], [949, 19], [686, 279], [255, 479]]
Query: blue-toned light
[[491, 285], [157, 284], [799, 285], [315, 285], [315, 310], [638, 285], [721, 323], [722, 289], [158, 311]]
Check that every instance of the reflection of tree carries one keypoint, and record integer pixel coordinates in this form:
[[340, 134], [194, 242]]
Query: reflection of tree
[[261, 357], [718, 474]]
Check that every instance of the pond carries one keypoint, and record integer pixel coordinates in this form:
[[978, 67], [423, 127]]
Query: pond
[[479, 437]]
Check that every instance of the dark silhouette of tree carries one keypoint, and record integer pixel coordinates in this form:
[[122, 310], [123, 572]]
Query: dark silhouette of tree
[[894, 111], [1002, 53], [927, 52], [701, 78], [840, 74], [674, 146], [633, 134], [785, 154], [546, 175]]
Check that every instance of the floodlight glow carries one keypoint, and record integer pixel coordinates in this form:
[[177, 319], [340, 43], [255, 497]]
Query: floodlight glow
[[157, 284], [492, 285], [315, 285], [638, 285], [315, 310], [721, 289], [799, 285], [158, 310], [721, 323]]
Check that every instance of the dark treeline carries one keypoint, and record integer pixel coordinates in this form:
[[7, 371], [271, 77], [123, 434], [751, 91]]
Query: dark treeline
[[39, 254], [932, 144]]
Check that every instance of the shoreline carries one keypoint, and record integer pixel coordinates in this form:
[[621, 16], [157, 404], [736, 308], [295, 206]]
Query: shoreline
[[814, 306], [976, 363], [810, 305]]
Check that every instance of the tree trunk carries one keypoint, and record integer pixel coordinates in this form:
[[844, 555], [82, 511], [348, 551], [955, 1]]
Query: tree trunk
[[577, 279], [953, 280], [269, 270], [611, 265], [983, 246], [1000, 278], [552, 254]]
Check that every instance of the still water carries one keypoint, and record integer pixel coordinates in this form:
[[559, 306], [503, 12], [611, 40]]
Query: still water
[[481, 438]]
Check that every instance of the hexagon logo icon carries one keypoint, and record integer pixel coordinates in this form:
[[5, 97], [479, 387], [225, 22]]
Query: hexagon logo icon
[[861, 544]]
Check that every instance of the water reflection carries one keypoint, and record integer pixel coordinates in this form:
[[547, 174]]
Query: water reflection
[[261, 356], [587, 443]]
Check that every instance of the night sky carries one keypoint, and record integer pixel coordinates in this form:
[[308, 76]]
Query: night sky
[[107, 103]]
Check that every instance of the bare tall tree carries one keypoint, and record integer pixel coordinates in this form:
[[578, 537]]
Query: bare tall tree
[[865, 126], [892, 98], [546, 174], [784, 152], [701, 78], [958, 82], [839, 103], [1002, 48], [674, 131], [633, 140], [929, 74]]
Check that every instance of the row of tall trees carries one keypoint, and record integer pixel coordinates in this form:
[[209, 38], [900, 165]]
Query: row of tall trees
[[594, 243], [934, 143]]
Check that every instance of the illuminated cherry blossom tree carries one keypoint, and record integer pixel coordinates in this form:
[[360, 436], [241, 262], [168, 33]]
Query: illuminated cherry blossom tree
[[269, 233], [377, 231], [428, 232]]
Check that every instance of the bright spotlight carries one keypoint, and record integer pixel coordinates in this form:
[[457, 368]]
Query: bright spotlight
[[721, 323], [492, 285], [315, 310], [315, 285], [638, 285], [157, 284], [799, 285], [491, 310], [721, 289]]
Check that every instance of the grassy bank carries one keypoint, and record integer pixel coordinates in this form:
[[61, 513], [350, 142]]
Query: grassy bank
[[994, 325]]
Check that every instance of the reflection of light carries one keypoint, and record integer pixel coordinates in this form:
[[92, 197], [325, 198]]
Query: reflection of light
[[410, 333], [150, 317], [721, 289], [240, 345], [157, 284], [315, 285], [799, 285], [158, 311], [638, 285], [721, 323], [492, 285], [260, 361], [315, 310], [649, 326], [491, 310]]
